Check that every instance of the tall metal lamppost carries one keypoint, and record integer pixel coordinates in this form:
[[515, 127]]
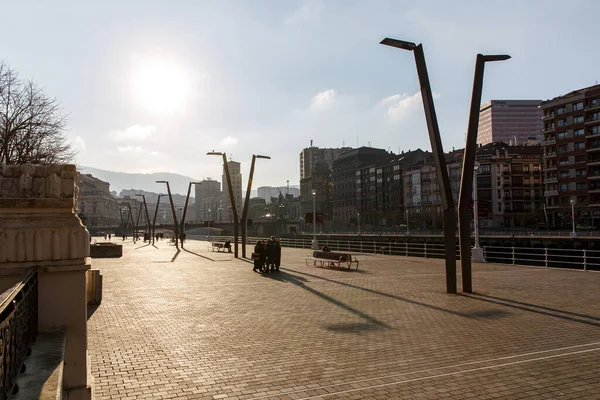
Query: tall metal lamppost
[[155, 214], [466, 182], [438, 157], [209, 219], [247, 203], [574, 233], [187, 200], [147, 216], [175, 225], [236, 221], [358, 216], [315, 245]]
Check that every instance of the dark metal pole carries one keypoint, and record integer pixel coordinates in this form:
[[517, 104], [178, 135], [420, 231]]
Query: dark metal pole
[[440, 166], [466, 182], [236, 221], [154, 221], [246, 204], [130, 217], [137, 224], [187, 199], [175, 226], [147, 216]]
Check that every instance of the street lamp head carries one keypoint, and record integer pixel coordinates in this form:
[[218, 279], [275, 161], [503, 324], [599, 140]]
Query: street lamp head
[[401, 44], [314, 192], [265, 157], [161, 181], [572, 202], [496, 57], [214, 153]]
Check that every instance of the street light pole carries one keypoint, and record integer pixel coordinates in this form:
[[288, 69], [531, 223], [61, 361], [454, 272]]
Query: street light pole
[[155, 214], [236, 220], [147, 216], [574, 233], [466, 182], [358, 215], [247, 203], [175, 225], [438, 158], [315, 245], [187, 200]]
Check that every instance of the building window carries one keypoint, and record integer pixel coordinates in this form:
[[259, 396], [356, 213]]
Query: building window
[[578, 106], [562, 148], [561, 110], [580, 172], [536, 168], [562, 135], [578, 119], [561, 122], [563, 161], [595, 102], [581, 186], [580, 145], [595, 116], [579, 132], [579, 159], [564, 187], [564, 174], [594, 130], [484, 168]]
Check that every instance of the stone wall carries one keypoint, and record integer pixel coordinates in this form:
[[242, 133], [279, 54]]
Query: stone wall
[[37, 220], [39, 228]]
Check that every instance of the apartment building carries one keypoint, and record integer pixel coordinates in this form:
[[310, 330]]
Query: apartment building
[[96, 203], [311, 156], [571, 129], [206, 196]]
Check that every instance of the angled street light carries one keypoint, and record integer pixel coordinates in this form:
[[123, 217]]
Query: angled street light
[[247, 202], [236, 221], [175, 225], [155, 214], [147, 216], [466, 182], [315, 245], [438, 157], [187, 200]]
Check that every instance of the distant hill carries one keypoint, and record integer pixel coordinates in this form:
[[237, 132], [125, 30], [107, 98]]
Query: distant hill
[[122, 180]]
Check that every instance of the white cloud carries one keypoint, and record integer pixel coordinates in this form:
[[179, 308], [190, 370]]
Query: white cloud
[[400, 106], [228, 141], [134, 133], [130, 149], [78, 143], [323, 99]]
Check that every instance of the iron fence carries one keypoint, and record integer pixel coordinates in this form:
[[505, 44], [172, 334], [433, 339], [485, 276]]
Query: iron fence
[[18, 328], [529, 256]]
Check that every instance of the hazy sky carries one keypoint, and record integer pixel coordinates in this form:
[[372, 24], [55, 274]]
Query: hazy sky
[[153, 85]]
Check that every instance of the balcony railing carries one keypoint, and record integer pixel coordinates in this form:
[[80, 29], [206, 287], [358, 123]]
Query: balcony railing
[[18, 328], [551, 193]]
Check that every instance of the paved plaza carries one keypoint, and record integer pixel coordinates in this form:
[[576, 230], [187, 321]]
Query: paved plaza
[[201, 325]]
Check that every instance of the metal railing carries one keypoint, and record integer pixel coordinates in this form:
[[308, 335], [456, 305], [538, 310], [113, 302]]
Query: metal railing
[[540, 257], [18, 328]]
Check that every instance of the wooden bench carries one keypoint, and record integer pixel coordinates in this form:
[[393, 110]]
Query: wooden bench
[[331, 259], [219, 246]]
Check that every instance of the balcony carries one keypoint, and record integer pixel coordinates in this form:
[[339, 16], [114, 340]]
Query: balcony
[[549, 155], [592, 106], [548, 116], [594, 189], [549, 142], [549, 129], [548, 193], [593, 121], [594, 176], [593, 149], [552, 167], [551, 180], [552, 207]]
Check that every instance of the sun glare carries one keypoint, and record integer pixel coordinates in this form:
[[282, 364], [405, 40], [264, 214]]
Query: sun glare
[[160, 86]]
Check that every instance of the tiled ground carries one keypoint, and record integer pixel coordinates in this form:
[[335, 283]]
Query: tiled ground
[[203, 325]]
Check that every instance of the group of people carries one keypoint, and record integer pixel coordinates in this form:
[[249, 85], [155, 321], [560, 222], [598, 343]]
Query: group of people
[[267, 256]]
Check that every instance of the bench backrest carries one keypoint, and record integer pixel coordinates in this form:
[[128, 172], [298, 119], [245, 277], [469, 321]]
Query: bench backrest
[[330, 255]]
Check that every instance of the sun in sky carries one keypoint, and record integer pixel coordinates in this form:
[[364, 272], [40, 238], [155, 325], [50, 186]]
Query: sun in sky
[[159, 85]]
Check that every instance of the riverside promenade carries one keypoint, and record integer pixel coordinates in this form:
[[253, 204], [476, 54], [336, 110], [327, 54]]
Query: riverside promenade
[[201, 325]]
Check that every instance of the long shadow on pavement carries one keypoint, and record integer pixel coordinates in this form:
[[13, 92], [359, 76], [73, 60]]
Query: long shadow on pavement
[[392, 296], [508, 303], [199, 255], [299, 281], [540, 307]]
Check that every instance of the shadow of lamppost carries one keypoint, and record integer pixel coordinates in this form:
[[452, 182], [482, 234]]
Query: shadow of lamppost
[[175, 225]]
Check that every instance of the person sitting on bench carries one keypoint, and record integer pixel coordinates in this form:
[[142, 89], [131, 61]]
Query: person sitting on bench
[[227, 245], [325, 248]]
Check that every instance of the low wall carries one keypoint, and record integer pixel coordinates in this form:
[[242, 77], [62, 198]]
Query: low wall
[[106, 250]]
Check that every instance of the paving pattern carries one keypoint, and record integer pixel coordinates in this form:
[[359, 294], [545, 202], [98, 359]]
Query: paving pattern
[[201, 325]]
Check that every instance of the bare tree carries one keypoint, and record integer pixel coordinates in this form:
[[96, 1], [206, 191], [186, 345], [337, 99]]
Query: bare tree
[[32, 125]]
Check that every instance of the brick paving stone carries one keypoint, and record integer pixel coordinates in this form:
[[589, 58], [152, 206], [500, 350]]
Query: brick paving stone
[[198, 324]]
